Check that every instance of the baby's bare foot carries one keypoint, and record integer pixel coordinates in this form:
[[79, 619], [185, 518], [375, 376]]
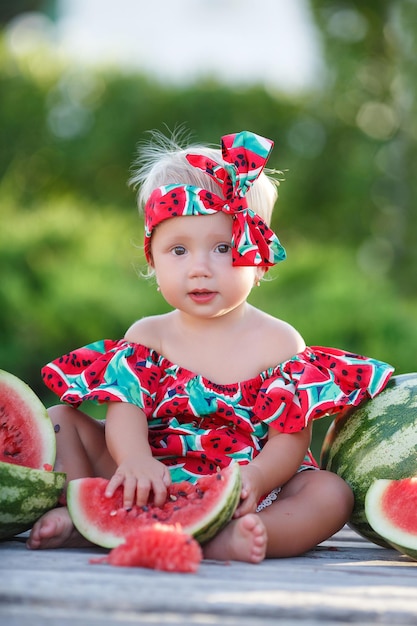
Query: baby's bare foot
[[243, 539], [55, 530]]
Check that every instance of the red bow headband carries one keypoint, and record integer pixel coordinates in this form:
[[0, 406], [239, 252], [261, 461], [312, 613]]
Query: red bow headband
[[245, 155]]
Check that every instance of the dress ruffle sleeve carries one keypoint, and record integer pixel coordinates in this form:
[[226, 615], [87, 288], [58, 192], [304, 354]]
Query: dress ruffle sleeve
[[104, 371], [318, 382]]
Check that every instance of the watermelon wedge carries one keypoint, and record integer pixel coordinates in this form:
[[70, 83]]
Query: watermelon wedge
[[26, 432], [391, 510], [200, 509]]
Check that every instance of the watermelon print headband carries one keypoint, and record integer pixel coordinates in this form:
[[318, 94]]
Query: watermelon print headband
[[245, 155]]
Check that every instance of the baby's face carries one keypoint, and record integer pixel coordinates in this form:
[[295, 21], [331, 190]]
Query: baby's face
[[192, 257]]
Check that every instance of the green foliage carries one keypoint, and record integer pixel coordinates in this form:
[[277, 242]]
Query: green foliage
[[9, 9], [70, 235], [370, 49]]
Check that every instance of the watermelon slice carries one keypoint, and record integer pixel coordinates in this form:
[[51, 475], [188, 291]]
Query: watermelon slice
[[391, 510], [201, 509], [26, 432], [157, 546]]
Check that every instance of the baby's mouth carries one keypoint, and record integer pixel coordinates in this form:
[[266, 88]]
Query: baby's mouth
[[202, 295]]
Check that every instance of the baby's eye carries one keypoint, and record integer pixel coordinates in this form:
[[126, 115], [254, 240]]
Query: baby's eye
[[178, 250], [223, 248]]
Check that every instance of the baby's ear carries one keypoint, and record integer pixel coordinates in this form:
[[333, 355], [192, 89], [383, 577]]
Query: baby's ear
[[259, 274]]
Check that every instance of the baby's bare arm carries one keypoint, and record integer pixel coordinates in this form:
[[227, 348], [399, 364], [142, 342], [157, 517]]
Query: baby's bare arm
[[278, 461], [137, 470]]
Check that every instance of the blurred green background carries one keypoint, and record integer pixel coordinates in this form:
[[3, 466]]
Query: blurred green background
[[70, 236]]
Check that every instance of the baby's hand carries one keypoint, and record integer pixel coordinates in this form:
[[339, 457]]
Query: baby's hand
[[251, 491], [140, 479]]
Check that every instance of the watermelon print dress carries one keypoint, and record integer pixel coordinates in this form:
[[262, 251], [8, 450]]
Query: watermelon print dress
[[197, 426]]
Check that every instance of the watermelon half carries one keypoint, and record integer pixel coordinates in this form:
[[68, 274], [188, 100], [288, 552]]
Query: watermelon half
[[25, 495], [201, 509], [28, 487], [391, 510], [26, 432], [377, 440]]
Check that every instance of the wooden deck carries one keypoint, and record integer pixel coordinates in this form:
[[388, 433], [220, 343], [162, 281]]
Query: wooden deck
[[345, 580]]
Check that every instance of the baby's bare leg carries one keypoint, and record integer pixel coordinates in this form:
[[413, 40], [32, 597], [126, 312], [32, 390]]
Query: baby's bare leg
[[81, 451], [80, 444], [311, 507]]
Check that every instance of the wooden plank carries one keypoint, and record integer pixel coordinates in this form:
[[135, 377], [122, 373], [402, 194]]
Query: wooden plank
[[343, 581]]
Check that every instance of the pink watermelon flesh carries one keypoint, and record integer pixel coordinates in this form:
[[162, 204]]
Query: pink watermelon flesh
[[157, 546], [26, 433], [399, 504], [104, 521]]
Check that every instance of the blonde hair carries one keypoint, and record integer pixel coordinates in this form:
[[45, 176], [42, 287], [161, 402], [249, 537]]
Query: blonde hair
[[161, 161]]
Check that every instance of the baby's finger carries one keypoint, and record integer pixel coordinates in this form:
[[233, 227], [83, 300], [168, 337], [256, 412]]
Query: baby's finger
[[238, 512], [115, 481], [159, 493], [167, 478], [244, 494], [244, 507], [143, 488], [130, 487]]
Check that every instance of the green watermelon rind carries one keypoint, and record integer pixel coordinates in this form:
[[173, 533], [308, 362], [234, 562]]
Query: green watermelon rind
[[25, 495], [223, 513], [400, 539], [42, 430], [211, 523], [377, 440]]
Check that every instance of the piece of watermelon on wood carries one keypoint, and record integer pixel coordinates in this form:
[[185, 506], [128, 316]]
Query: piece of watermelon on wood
[[158, 546], [391, 510]]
